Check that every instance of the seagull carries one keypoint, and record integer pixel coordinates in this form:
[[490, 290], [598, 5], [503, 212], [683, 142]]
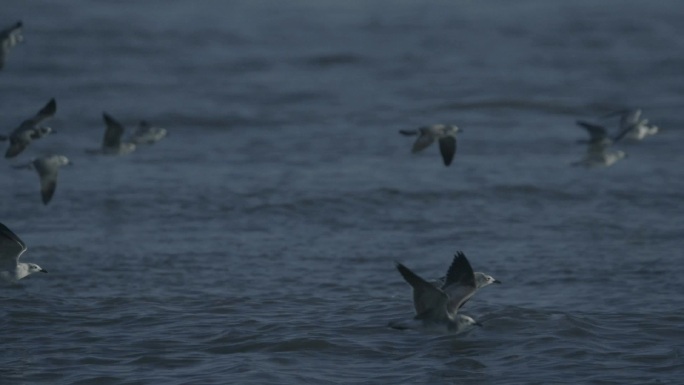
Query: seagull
[[30, 129], [147, 134], [635, 128], [437, 308], [11, 248], [111, 143], [445, 134], [9, 37], [47, 168]]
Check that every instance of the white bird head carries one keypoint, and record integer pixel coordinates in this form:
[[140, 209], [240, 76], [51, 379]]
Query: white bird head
[[482, 280], [466, 322], [61, 160], [44, 130], [33, 268]]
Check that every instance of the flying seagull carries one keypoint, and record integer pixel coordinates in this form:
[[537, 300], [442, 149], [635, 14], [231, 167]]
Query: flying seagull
[[30, 129], [635, 128], [437, 308], [47, 168], [9, 37], [11, 248], [445, 134], [111, 143]]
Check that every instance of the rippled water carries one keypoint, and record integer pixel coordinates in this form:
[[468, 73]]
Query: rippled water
[[256, 243]]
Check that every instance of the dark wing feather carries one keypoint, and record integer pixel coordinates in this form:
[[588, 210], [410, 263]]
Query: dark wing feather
[[48, 111], [17, 145], [427, 299], [460, 282], [447, 147], [596, 131], [45, 113], [11, 247], [8, 38], [48, 179], [113, 132]]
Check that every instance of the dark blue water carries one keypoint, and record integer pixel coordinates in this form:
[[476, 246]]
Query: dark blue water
[[256, 243]]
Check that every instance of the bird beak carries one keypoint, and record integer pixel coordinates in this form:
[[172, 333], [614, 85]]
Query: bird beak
[[43, 271], [478, 324], [497, 281]]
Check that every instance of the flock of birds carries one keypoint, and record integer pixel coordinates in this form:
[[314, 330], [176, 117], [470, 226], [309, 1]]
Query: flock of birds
[[599, 152], [47, 166], [436, 303]]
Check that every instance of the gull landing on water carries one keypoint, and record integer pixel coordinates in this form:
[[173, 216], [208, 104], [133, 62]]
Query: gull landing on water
[[445, 134], [11, 248], [111, 143], [30, 129], [9, 37], [437, 307], [47, 168]]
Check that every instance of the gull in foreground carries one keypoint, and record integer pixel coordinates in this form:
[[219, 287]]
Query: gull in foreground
[[445, 134], [9, 37], [147, 133], [111, 143], [437, 308], [30, 129], [47, 168], [11, 248]]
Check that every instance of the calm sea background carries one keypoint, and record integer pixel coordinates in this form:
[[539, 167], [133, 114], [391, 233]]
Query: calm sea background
[[256, 244]]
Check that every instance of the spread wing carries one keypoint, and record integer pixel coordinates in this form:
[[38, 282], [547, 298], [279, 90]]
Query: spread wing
[[22, 135], [48, 179], [11, 247], [596, 131], [113, 132], [424, 140], [428, 300], [447, 147], [460, 284], [9, 37], [17, 145], [47, 112]]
